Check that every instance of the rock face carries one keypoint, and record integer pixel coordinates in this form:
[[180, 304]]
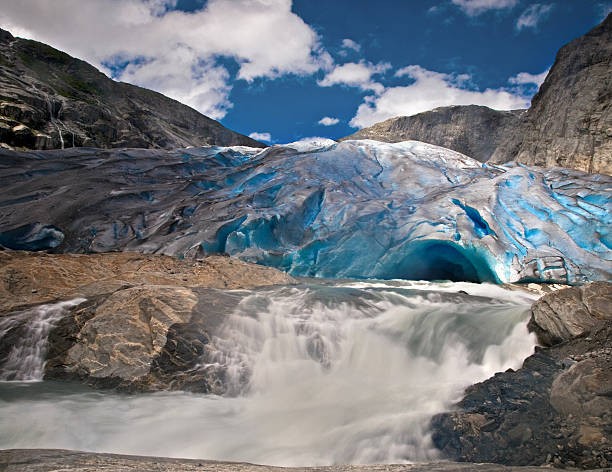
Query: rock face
[[139, 323], [23, 283], [49, 100], [559, 317], [558, 407], [569, 123], [473, 130]]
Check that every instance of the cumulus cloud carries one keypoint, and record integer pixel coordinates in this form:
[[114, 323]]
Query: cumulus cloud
[[174, 52], [476, 7], [525, 78], [267, 137], [532, 16], [205, 88], [350, 44], [356, 74], [328, 121], [428, 90]]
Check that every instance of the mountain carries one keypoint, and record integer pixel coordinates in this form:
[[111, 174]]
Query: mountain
[[473, 130], [569, 123], [353, 209], [50, 100]]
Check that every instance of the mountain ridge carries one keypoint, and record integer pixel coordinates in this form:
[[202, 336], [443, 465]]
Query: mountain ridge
[[473, 130], [51, 100], [569, 123]]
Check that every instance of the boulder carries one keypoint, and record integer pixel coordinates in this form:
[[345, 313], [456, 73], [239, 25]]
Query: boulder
[[65, 276], [137, 322], [563, 315]]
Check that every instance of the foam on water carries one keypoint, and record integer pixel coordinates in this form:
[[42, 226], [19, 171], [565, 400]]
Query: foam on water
[[319, 374]]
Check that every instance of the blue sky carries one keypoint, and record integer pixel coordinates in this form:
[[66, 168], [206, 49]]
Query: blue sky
[[284, 70]]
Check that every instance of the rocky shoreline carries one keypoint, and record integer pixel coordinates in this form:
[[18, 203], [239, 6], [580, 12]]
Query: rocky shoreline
[[556, 409], [47, 460]]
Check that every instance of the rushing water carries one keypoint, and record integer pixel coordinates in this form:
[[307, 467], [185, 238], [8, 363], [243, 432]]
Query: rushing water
[[26, 358], [344, 373]]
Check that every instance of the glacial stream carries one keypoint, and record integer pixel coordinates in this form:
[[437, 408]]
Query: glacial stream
[[343, 372]]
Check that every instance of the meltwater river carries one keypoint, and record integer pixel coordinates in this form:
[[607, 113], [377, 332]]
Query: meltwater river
[[339, 372]]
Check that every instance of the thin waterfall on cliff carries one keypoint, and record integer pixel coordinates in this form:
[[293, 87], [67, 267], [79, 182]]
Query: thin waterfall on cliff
[[29, 330]]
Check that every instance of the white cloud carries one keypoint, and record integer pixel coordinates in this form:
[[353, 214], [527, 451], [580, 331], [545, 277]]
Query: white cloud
[[532, 16], [430, 90], [476, 7], [328, 121], [604, 10], [356, 74], [175, 52], [205, 88], [524, 78], [267, 137], [350, 44]]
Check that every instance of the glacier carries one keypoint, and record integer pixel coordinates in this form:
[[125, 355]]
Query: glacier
[[355, 209]]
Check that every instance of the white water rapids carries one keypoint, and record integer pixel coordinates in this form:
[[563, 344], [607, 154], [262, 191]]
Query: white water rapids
[[343, 373]]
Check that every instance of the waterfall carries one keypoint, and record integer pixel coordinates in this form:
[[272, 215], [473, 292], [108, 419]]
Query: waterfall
[[321, 373], [26, 358]]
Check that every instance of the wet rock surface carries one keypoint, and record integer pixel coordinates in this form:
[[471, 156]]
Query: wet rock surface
[[556, 409], [46, 460], [144, 322], [49, 100], [143, 339]]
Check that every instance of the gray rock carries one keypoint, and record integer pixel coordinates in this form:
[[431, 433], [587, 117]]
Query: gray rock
[[563, 315], [46, 460], [556, 409], [49, 100], [143, 338], [585, 389], [148, 321], [473, 130], [569, 123]]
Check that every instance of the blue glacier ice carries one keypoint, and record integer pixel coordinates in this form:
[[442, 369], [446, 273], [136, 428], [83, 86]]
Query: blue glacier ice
[[359, 209]]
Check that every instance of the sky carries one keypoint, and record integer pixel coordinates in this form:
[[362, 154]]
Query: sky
[[283, 70]]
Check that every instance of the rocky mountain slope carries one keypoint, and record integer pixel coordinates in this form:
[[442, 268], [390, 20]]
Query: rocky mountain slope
[[50, 100], [473, 130], [569, 123]]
